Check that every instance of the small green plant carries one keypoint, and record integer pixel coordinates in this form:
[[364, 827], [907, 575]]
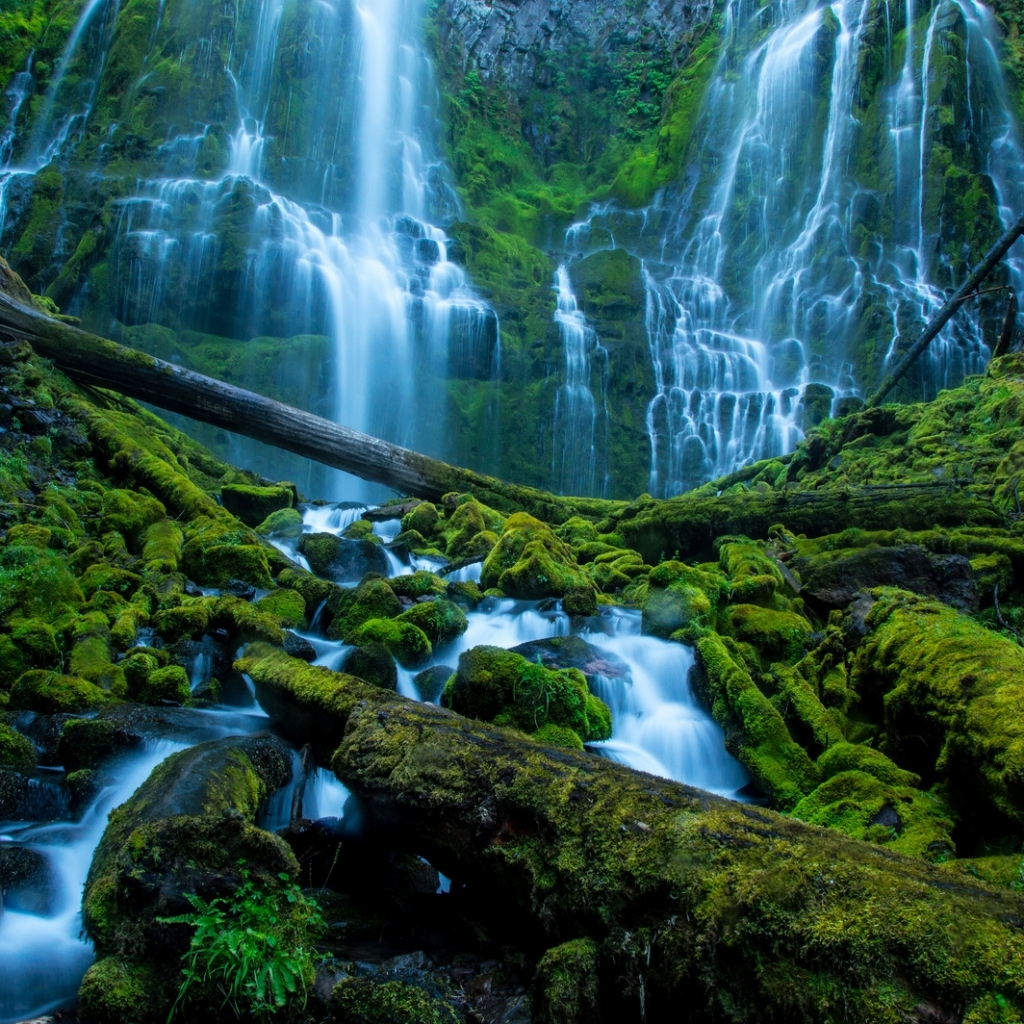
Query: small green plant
[[255, 948]]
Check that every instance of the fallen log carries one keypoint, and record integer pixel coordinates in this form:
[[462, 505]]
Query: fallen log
[[949, 307], [659, 902], [99, 362]]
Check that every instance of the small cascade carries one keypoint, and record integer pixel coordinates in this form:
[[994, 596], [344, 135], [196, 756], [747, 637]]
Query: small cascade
[[580, 444]]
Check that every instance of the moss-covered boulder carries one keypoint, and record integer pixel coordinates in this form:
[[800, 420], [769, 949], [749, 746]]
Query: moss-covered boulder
[[115, 991], [468, 521], [16, 751], [342, 560], [947, 691], [442, 621], [372, 599], [254, 504], [374, 664], [529, 561], [36, 583], [431, 681], [424, 519], [51, 693], [286, 606], [495, 685], [285, 524], [775, 635], [165, 686], [218, 549], [85, 743], [682, 597], [358, 1000], [407, 642], [566, 984]]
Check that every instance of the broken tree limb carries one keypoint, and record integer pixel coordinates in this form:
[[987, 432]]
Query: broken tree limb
[[937, 322], [91, 360], [693, 906]]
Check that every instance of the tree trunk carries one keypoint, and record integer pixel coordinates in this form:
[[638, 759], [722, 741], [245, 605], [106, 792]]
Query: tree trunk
[[96, 361], [682, 904]]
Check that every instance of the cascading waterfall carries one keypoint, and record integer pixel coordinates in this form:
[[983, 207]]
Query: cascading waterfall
[[811, 239], [579, 464]]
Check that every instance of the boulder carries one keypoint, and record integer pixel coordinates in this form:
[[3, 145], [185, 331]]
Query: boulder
[[341, 560]]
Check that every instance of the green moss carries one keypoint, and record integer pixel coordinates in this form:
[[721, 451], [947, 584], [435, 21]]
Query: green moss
[[373, 599], [362, 1001], [374, 664], [137, 670], [130, 514], [162, 546], [36, 584], [219, 550], [424, 519], [254, 504], [495, 685], [188, 621], [566, 984], [552, 735], [863, 807], [285, 523], [165, 685], [406, 641], [116, 992], [50, 693], [776, 635], [16, 751], [442, 621], [529, 561], [679, 596], [468, 520], [755, 731], [107, 577], [287, 606], [418, 584], [312, 590], [847, 757], [90, 660], [37, 642], [12, 663], [946, 690]]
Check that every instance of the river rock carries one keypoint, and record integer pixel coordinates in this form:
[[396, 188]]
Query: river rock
[[341, 560], [574, 652], [373, 664], [831, 582], [26, 881], [430, 682]]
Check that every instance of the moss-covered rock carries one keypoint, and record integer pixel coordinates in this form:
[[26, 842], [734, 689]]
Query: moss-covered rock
[[424, 519], [161, 550], [342, 560], [16, 751], [373, 663], [85, 743], [91, 661], [947, 690], [373, 599], [419, 584], [115, 991], [285, 524], [218, 549], [775, 635], [287, 606], [849, 757], [442, 621], [50, 693], [529, 561], [406, 641], [254, 504], [495, 685], [130, 514], [37, 642], [35, 583], [364, 1001], [165, 686], [682, 597], [566, 984], [468, 519]]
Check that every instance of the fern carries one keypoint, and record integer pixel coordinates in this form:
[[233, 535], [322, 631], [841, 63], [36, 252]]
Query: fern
[[253, 948]]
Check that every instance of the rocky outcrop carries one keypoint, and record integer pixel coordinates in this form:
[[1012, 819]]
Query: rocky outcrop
[[509, 40]]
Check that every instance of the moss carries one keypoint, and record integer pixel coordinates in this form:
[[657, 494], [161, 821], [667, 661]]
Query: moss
[[218, 550], [37, 642], [374, 664], [308, 703], [361, 529], [130, 514], [253, 504], [30, 535], [115, 992], [679, 596], [245, 622], [529, 561], [106, 577], [776, 635], [16, 751], [847, 757], [90, 660], [286, 523], [362, 1001], [12, 663], [50, 693], [137, 669], [442, 621], [373, 599], [313, 591], [165, 685], [85, 743], [406, 641], [424, 519], [495, 685], [863, 807], [566, 984], [188, 621], [162, 546], [753, 576], [287, 606], [36, 584], [946, 690], [557, 736], [755, 731], [418, 584], [464, 525]]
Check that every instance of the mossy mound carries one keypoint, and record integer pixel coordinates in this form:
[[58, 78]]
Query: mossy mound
[[362, 1001], [374, 664], [529, 561], [286, 606], [495, 685], [115, 991], [165, 686], [776, 635], [372, 599], [16, 751], [442, 621], [682, 597], [466, 522], [340, 559], [254, 504], [285, 524], [406, 641], [220, 549], [863, 807], [49, 693]]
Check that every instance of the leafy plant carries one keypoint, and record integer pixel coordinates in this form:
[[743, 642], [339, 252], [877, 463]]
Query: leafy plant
[[255, 948]]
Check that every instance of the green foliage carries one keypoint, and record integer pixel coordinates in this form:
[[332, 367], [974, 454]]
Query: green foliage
[[15, 750], [254, 949], [362, 1001]]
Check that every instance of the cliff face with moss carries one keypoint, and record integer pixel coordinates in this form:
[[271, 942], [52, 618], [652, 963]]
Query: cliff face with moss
[[755, 209]]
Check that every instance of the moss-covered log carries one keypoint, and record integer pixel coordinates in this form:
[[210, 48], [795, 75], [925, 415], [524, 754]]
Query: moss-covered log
[[96, 361], [681, 898]]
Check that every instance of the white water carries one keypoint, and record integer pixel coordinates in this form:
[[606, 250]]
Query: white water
[[758, 276], [579, 458]]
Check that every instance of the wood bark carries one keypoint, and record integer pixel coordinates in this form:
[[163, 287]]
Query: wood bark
[[691, 906], [99, 362]]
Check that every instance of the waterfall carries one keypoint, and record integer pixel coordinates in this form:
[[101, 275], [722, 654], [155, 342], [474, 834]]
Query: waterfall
[[814, 231], [578, 461]]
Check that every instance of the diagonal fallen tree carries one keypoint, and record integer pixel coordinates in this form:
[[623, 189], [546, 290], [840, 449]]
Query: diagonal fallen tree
[[657, 901]]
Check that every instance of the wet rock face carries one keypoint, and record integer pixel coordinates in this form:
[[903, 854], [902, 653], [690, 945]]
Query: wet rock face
[[508, 40], [26, 882], [573, 652], [831, 582]]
